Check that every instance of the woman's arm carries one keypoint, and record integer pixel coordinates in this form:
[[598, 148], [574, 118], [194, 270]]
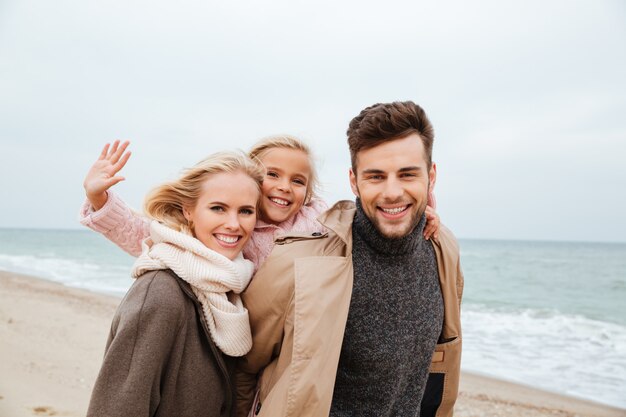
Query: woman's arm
[[143, 332]]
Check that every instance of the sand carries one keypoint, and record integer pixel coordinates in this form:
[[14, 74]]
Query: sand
[[52, 340]]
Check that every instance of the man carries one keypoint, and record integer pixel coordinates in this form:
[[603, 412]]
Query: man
[[349, 323]]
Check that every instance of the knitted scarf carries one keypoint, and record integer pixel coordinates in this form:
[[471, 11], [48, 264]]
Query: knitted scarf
[[215, 279]]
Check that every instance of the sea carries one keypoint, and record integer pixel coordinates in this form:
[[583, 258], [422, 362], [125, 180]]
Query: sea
[[551, 315]]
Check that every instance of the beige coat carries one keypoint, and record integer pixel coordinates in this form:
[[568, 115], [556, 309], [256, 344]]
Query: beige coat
[[298, 304]]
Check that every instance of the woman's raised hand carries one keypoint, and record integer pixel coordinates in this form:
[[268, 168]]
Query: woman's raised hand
[[103, 173]]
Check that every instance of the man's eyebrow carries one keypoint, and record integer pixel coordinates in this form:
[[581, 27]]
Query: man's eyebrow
[[372, 171], [406, 169], [380, 171]]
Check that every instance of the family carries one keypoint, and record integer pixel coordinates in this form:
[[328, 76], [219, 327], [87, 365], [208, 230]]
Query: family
[[253, 298]]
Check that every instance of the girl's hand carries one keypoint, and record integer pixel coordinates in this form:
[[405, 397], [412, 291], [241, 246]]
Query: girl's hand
[[102, 174], [432, 224]]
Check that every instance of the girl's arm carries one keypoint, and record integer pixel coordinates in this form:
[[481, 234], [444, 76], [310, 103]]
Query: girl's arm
[[433, 223], [117, 222], [106, 213], [306, 217]]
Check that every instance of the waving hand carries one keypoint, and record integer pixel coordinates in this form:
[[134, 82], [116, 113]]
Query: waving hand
[[103, 173]]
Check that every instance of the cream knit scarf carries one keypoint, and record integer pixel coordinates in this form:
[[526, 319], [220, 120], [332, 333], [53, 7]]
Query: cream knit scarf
[[212, 277]]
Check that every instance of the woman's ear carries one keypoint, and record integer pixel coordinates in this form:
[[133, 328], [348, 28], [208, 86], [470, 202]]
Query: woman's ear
[[187, 214]]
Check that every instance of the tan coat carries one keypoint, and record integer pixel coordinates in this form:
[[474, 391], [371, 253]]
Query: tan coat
[[298, 304]]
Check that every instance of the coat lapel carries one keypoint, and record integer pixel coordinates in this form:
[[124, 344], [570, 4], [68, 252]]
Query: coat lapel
[[317, 337]]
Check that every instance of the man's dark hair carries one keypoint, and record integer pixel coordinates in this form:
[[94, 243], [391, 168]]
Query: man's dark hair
[[384, 122]]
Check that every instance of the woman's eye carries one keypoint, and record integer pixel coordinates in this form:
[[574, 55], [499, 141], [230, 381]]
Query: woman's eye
[[247, 211], [217, 208]]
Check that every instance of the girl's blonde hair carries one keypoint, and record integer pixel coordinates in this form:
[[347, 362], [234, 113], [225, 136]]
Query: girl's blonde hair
[[165, 203], [263, 146]]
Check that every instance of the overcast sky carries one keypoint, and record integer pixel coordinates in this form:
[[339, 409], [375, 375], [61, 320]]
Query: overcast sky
[[528, 99]]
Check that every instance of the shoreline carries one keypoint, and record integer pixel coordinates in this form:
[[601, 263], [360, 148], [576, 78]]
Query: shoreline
[[53, 340]]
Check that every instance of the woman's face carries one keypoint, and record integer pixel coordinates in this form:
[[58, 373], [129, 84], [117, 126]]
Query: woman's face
[[225, 214], [285, 184]]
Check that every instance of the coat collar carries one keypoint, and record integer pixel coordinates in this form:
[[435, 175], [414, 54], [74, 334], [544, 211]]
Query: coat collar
[[339, 219]]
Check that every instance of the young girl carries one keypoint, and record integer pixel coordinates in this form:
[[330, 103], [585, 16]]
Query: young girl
[[288, 201], [175, 334]]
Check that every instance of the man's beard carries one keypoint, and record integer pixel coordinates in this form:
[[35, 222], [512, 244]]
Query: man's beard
[[415, 219]]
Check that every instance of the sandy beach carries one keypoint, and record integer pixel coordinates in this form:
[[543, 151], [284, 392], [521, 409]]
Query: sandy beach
[[53, 337]]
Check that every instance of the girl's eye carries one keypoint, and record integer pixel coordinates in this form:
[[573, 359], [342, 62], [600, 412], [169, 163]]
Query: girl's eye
[[299, 181], [272, 174], [247, 211], [217, 208]]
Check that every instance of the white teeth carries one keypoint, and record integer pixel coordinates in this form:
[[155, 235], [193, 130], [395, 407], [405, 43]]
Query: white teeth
[[394, 210], [227, 239], [279, 201]]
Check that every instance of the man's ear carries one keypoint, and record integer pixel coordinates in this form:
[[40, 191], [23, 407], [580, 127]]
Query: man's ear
[[432, 176], [355, 189]]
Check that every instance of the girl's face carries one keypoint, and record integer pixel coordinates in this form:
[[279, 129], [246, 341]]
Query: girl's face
[[225, 213], [285, 184]]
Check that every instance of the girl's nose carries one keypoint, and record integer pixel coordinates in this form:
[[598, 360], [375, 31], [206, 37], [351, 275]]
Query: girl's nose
[[284, 186]]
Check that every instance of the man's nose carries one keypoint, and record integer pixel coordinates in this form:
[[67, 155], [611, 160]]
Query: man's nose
[[393, 189]]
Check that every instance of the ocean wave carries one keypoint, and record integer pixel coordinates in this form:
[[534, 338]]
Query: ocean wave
[[569, 354], [107, 278]]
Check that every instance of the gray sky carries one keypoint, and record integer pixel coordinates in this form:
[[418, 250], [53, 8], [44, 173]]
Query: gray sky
[[528, 99]]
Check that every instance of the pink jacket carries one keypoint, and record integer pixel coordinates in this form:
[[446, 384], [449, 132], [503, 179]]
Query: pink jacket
[[127, 228]]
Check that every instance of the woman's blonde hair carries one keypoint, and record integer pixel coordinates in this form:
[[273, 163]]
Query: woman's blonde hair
[[263, 146], [165, 203]]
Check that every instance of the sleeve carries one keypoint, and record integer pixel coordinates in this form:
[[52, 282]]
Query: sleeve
[[117, 222], [318, 206], [268, 301], [144, 330], [306, 218]]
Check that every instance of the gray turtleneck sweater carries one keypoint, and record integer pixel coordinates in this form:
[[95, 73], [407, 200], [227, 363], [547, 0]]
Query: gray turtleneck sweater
[[394, 321]]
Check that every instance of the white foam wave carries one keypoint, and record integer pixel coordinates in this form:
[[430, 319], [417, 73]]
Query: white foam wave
[[569, 354], [113, 279]]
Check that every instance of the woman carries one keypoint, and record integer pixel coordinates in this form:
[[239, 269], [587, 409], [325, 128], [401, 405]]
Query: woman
[[176, 332]]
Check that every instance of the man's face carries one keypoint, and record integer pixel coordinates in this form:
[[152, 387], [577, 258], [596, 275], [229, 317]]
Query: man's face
[[392, 181]]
